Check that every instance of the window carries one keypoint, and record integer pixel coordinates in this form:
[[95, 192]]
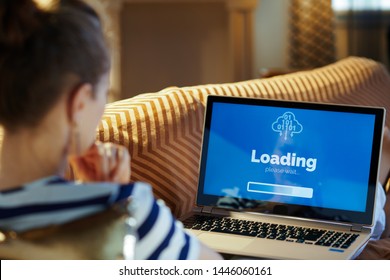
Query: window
[[345, 5]]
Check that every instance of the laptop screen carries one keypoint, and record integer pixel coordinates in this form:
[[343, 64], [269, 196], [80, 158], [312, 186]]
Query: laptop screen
[[299, 159]]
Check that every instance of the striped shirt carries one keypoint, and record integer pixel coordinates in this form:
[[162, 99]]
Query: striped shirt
[[54, 201]]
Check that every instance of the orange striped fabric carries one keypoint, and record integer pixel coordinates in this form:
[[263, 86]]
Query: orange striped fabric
[[163, 130], [163, 134]]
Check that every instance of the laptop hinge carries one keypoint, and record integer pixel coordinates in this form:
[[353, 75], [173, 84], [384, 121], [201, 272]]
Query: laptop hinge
[[198, 209], [356, 228], [207, 209]]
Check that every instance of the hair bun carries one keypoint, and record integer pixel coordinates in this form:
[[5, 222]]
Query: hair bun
[[18, 20]]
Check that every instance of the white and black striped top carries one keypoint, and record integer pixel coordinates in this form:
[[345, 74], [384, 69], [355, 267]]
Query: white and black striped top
[[53, 201]]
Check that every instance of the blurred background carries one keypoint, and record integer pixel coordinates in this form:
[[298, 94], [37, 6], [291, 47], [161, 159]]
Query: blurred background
[[161, 43]]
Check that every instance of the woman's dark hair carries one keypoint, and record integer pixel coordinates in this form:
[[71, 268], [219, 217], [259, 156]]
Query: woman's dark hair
[[43, 52]]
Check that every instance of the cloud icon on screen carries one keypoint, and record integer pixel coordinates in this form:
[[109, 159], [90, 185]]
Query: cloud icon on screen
[[287, 125]]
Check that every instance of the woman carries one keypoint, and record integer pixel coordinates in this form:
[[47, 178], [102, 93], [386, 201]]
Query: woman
[[54, 67]]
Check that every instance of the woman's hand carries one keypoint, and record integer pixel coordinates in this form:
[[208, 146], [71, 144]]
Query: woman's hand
[[103, 162]]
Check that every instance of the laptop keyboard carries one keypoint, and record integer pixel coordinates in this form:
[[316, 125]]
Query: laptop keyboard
[[279, 232]]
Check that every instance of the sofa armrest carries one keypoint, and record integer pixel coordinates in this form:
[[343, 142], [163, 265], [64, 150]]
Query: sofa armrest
[[163, 134]]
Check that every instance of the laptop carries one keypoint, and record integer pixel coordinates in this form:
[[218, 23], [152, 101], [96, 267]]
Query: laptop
[[287, 180]]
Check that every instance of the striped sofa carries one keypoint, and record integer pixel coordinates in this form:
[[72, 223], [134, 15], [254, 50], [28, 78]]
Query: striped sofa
[[163, 130]]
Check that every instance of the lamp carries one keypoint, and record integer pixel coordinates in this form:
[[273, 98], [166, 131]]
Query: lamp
[[46, 4]]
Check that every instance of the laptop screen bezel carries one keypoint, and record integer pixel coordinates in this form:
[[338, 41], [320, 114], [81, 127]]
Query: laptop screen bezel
[[317, 213]]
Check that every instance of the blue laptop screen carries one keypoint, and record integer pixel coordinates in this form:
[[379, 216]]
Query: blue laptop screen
[[294, 156]]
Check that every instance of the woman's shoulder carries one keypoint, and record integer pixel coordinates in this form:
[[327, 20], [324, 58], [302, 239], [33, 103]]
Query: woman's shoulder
[[51, 187], [56, 200]]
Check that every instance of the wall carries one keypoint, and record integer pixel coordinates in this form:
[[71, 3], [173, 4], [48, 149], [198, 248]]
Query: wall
[[271, 42], [170, 27], [161, 45]]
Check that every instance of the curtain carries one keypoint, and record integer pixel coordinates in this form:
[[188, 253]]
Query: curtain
[[367, 27], [311, 37]]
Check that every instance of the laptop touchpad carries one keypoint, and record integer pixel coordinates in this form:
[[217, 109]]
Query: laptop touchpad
[[225, 242]]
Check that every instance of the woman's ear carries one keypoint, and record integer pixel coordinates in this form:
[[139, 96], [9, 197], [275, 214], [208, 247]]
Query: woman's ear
[[78, 101]]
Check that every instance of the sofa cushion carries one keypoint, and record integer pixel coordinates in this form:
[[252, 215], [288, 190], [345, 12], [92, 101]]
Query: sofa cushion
[[163, 130]]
